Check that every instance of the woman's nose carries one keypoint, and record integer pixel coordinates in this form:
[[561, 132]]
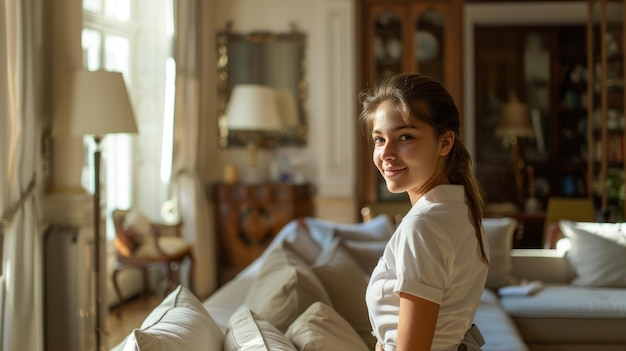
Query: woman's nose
[[388, 151]]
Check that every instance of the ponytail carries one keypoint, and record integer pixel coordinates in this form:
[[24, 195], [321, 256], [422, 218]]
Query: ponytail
[[459, 169]]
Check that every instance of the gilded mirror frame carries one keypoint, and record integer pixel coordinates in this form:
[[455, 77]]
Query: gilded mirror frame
[[295, 135]]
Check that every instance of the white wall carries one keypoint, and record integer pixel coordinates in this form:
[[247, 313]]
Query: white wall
[[330, 73]]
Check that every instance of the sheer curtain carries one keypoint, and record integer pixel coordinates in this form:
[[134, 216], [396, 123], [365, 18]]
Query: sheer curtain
[[21, 310], [186, 184]]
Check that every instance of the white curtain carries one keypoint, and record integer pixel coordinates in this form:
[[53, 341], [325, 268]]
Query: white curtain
[[187, 186], [21, 306]]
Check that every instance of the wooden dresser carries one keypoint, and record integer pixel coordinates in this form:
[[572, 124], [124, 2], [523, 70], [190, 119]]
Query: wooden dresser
[[247, 217]]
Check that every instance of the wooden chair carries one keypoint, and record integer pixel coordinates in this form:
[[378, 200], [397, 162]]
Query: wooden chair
[[149, 245]]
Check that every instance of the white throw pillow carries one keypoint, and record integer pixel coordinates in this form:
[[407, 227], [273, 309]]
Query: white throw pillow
[[322, 328], [248, 331], [499, 232], [597, 252], [345, 284], [285, 287], [179, 322]]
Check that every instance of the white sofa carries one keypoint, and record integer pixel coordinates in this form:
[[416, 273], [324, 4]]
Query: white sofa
[[267, 304]]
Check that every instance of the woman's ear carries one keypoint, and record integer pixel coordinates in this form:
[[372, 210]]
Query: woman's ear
[[447, 140]]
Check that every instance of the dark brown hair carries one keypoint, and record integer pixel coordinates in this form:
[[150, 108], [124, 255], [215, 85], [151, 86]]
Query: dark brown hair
[[416, 96]]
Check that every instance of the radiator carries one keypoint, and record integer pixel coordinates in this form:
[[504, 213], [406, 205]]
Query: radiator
[[69, 305]]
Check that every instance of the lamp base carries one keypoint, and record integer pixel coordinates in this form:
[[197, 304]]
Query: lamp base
[[253, 175]]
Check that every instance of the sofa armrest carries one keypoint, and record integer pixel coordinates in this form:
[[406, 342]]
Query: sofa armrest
[[546, 265]]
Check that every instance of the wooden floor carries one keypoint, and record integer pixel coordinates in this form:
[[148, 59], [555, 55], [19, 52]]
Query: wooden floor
[[132, 314]]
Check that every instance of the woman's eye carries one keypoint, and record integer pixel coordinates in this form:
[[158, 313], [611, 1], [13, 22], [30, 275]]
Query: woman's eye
[[378, 140], [405, 137]]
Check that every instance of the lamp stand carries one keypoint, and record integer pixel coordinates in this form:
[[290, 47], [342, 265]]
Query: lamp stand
[[99, 328], [518, 165], [252, 172]]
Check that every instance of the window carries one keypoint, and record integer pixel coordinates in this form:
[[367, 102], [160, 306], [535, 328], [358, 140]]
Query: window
[[134, 38]]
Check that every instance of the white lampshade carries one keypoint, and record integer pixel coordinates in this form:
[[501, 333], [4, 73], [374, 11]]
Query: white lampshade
[[252, 107], [98, 104], [515, 120]]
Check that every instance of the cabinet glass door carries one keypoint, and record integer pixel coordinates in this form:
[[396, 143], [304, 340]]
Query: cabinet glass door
[[387, 44], [428, 40]]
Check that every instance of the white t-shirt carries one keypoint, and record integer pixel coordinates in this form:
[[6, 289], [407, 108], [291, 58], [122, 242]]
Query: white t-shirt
[[434, 255]]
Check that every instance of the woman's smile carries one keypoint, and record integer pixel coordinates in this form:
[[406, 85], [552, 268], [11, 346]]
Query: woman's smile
[[392, 172]]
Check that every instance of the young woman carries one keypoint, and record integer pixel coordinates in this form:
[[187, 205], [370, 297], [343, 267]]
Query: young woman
[[425, 290]]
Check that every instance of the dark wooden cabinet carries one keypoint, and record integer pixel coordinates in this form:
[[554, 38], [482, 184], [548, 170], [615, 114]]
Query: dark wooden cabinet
[[247, 217]]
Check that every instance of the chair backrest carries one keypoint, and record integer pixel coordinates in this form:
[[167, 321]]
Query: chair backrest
[[124, 243], [573, 208]]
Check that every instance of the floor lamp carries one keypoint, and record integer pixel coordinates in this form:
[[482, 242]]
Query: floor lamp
[[99, 105], [515, 124]]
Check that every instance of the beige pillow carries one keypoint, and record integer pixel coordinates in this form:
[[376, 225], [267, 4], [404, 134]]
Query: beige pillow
[[345, 284], [597, 253], [284, 288], [137, 222], [248, 331], [499, 232], [322, 328], [365, 253], [179, 322]]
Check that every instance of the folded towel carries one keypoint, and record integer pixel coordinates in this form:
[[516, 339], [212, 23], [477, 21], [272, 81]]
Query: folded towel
[[523, 289]]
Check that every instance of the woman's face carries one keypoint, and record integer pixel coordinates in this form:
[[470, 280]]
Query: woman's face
[[407, 156]]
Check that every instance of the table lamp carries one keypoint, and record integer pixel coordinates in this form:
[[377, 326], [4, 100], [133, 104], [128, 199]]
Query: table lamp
[[253, 108], [98, 105], [515, 124]]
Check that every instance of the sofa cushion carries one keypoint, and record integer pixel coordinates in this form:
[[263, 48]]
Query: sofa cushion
[[545, 265], [248, 331], [597, 253], [284, 288], [497, 328], [570, 314], [345, 284], [499, 232], [320, 327], [179, 322]]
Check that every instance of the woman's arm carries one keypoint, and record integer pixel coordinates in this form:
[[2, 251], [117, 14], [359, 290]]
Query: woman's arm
[[416, 324]]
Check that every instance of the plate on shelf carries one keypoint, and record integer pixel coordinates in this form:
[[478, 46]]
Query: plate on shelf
[[426, 45]]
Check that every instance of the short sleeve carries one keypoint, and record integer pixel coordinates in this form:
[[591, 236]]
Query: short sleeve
[[423, 254]]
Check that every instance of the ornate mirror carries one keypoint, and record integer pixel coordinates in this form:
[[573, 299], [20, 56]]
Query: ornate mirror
[[263, 58]]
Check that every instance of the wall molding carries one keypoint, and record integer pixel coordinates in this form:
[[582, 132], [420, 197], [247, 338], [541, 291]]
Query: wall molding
[[337, 141]]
